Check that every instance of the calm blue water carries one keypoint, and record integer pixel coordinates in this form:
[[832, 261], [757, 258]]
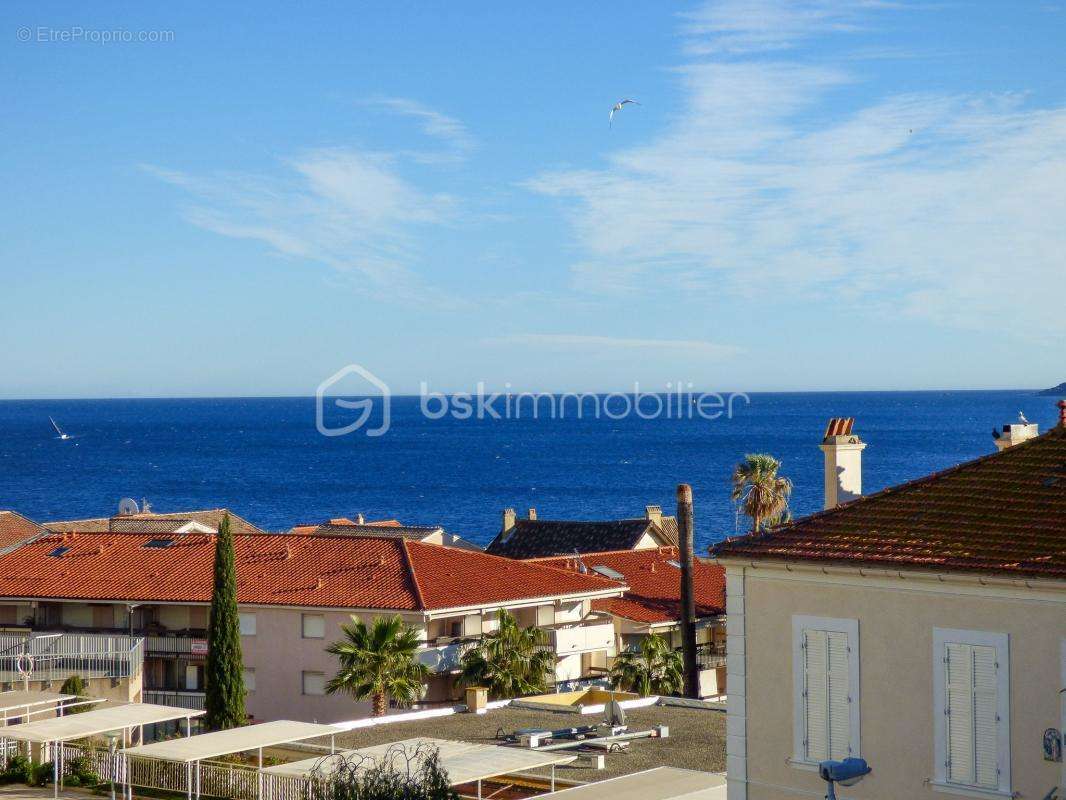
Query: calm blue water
[[265, 459]]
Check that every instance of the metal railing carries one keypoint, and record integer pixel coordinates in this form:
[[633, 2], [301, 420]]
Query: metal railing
[[50, 657], [233, 781], [176, 645], [710, 655], [175, 697]]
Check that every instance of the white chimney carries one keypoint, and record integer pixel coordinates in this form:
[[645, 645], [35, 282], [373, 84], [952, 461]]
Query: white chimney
[[843, 462], [532, 514], [1015, 433], [654, 514], [508, 520]]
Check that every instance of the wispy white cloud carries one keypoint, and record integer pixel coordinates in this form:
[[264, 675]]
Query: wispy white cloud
[[556, 340], [942, 206], [446, 129], [353, 210]]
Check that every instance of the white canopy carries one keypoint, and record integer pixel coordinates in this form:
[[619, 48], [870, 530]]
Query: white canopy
[[23, 700], [97, 721], [661, 783], [465, 762], [234, 740]]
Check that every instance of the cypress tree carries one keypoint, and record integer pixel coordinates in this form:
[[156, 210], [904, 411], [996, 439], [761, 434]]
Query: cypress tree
[[224, 673]]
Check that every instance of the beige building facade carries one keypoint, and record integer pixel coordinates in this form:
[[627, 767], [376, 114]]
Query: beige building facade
[[900, 633]]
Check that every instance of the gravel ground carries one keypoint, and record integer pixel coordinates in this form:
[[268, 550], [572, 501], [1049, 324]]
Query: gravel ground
[[696, 740]]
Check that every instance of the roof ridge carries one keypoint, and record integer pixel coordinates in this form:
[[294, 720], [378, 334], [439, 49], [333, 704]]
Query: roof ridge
[[930, 478], [411, 570]]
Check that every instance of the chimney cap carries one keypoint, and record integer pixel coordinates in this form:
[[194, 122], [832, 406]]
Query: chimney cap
[[839, 426]]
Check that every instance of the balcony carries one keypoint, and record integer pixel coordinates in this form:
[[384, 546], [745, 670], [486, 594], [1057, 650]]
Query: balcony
[[586, 638], [181, 699], [193, 643], [57, 656], [445, 654]]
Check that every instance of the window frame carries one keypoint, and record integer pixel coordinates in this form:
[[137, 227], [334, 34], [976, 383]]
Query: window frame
[[303, 625], [1001, 643], [849, 627], [241, 617], [303, 683], [245, 673]]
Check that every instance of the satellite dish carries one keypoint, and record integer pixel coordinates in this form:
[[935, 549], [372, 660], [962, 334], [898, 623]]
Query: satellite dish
[[127, 506], [613, 714]]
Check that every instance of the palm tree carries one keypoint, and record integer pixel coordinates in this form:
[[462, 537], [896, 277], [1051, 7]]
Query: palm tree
[[653, 668], [760, 492], [511, 662], [379, 661]]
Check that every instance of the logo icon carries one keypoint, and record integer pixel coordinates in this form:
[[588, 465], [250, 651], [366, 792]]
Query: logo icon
[[366, 405]]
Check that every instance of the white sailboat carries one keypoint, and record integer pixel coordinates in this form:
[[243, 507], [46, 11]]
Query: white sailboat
[[59, 431]]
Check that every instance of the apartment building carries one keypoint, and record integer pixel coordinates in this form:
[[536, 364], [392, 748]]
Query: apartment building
[[295, 592], [652, 602], [922, 628]]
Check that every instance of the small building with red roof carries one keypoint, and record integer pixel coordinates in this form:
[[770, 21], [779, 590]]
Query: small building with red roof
[[921, 628]]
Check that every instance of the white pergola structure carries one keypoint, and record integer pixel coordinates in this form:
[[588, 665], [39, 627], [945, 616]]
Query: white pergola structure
[[118, 719], [660, 783], [193, 750], [21, 704], [465, 762]]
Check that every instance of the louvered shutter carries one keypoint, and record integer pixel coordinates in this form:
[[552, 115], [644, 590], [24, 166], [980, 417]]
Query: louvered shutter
[[972, 721], [986, 720], [839, 700], [816, 695]]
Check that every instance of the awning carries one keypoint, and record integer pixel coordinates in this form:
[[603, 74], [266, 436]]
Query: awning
[[661, 783], [234, 740], [23, 701], [465, 762], [97, 721]]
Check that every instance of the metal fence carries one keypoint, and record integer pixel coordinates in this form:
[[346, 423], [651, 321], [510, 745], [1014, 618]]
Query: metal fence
[[181, 699], [231, 781], [49, 657]]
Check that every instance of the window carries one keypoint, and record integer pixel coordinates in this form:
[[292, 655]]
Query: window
[[247, 624], [249, 680], [59, 552], [159, 544], [314, 626], [607, 572], [825, 669], [971, 708], [314, 683]]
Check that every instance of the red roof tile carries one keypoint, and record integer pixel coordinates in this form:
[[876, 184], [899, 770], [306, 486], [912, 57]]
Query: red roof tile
[[654, 594], [1002, 513], [15, 528], [281, 569]]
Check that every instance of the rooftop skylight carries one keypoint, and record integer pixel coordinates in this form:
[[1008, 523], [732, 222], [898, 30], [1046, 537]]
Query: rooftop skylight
[[159, 544], [607, 572]]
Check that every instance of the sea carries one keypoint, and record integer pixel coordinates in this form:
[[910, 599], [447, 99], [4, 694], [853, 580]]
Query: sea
[[266, 459]]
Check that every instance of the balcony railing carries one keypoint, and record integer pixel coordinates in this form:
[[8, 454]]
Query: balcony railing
[[585, 638], [446, 654], [710, 655], [50, 657], [182, 644], [181, 699]]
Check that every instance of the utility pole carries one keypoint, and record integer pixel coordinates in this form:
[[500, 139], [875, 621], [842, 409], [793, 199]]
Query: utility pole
[[688, 600]]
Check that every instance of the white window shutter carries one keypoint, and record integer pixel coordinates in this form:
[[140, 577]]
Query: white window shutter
[[816, 694], [972, 721], [839, 699], [986, 722], [958, 694]]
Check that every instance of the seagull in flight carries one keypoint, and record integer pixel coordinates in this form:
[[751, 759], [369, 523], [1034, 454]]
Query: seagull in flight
[[618, 107]]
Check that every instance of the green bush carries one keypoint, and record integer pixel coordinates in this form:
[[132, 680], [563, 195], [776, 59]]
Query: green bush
[[76, 686], [18, 770], [40, 774]]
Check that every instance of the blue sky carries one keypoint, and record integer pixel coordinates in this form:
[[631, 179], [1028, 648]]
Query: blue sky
[[812, 195]]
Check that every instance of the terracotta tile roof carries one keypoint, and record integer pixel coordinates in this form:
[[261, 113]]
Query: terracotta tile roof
[[15, 529], [338, 522], [284, 569], [654, 594], [209, 517], [543, 538], [1002, 513]]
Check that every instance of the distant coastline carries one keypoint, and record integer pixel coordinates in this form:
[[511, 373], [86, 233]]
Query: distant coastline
[[1054, 391]]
